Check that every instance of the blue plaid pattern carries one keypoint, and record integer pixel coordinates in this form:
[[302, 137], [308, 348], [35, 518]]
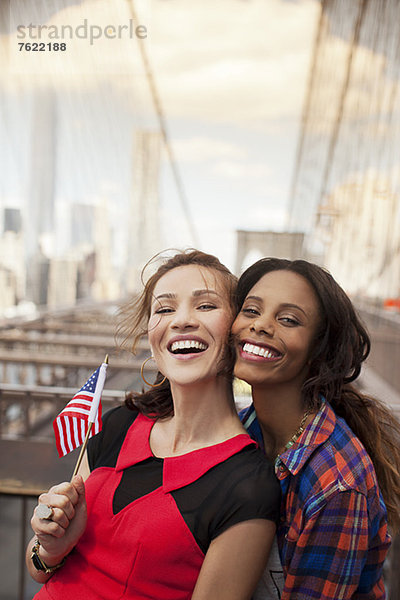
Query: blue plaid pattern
[[333, 535]]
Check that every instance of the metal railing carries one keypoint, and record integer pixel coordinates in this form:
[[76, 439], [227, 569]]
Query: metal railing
[[29, 466], [384, 329], [26, 415], [27, 411]]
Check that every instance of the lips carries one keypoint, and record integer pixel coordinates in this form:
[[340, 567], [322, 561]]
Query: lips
[[253, 350]]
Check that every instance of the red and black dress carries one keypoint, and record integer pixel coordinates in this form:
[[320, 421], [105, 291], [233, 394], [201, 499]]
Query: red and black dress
[[151, 520]]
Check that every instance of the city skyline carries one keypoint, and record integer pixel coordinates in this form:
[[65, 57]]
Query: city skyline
[[231, 85]]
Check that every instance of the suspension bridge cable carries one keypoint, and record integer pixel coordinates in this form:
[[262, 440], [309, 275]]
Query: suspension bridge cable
[[343, 94], [163, 129], [305, 118]]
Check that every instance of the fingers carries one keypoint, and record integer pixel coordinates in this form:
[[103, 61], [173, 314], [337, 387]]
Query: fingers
[[46, 527], [65, 495], [63, 499], [79, 485]]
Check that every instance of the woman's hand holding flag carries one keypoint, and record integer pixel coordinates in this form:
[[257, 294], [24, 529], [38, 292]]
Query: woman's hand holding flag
[[60, 518], [57, 536]]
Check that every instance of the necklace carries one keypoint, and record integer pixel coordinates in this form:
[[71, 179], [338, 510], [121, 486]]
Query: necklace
[[297, 434]]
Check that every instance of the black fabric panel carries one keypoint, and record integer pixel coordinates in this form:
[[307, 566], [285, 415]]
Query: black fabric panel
[[241, 488], [138, 481], [103, 448]]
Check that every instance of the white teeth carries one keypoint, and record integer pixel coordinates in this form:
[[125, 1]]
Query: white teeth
[[182, 344], [257, 350]]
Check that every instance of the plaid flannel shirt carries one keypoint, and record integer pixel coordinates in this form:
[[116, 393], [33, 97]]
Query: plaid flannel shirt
[[332, 535]]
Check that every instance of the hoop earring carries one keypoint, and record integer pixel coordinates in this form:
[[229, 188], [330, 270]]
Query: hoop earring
[[143, 377]]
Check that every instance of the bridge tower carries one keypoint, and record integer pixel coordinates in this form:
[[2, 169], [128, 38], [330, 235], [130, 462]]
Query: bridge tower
[[144, 239], [253, 245]]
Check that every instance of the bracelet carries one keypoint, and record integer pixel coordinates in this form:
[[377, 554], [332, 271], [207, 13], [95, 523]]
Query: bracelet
[[39, 564]]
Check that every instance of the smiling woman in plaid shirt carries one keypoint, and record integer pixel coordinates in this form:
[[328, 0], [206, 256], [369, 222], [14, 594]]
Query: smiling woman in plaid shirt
[[300, 344]]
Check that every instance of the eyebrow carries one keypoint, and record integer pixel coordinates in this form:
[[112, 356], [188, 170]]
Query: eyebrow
[[195, 293], [166, 295], [204, 292], [283, 305]]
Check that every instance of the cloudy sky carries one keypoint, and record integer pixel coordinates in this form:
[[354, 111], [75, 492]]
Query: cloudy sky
[[231, 77]]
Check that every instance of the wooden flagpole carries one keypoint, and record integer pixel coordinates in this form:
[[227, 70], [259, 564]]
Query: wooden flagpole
[[82, 452]]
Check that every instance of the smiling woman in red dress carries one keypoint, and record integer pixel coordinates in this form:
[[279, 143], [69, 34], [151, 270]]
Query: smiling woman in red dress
[[174, 500]]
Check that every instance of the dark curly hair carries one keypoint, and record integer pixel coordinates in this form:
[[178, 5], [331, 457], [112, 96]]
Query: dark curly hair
[[341, 344], [134, 316]]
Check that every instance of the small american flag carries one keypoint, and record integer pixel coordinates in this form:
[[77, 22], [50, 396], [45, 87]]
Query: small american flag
[[73, 422]]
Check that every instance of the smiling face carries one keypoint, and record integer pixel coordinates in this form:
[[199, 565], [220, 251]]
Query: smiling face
[[189, 324], [274, 330]]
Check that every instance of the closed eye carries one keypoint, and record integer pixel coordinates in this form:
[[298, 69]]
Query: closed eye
[[250, 311], [289, 321], [163, 310], [207, 306]]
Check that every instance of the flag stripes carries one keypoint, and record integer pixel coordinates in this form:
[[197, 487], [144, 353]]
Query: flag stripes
[[72, 424], [70, 432]]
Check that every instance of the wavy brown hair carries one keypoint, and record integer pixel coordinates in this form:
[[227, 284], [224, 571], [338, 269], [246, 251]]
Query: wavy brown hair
[[340, 346], [134, 317]]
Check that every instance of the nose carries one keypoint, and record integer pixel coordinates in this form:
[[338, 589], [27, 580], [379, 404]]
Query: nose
[[184, 318], [263, 326]]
